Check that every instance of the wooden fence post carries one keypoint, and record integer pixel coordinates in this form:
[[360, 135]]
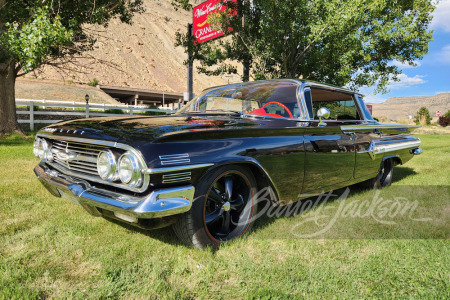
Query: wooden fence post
[[32, 116]]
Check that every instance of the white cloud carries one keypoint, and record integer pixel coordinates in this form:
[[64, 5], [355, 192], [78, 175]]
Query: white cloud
[[441, 16], [405, 65], [406, 81], [374, 99]]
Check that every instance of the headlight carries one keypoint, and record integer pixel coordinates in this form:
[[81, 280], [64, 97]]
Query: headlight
[[106, 165], [36, 147], [129, 171], [40, 148]]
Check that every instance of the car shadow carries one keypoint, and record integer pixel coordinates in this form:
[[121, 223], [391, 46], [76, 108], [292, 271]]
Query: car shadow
[[268, 218], [165, 234], [402, 172], [300, 207]]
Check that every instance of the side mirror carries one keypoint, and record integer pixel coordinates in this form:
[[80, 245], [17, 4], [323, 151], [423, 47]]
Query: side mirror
[[323, 113]]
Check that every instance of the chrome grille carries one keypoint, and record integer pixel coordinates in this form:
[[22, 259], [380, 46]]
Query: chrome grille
[[78, 159], [86, 156]]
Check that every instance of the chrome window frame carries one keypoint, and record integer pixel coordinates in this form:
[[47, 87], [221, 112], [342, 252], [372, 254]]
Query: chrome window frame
[[309, 85]]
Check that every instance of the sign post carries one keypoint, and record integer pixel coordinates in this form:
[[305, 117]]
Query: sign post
[[190, 67]]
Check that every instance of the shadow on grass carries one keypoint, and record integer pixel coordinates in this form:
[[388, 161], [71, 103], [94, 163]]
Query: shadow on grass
[[402, 172], [265, 220], [165, 234]]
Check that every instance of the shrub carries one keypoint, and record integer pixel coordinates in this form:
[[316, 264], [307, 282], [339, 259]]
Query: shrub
[[153, 113], [423, 116], [114, 111], [447, 114], [444, 120], [94, 82]]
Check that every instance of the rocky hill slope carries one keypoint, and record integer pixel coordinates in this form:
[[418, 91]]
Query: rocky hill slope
[[399, 108], [52, 90], [142, 55]]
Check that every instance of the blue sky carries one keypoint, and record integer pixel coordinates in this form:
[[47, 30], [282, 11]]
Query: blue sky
[[432, 74]]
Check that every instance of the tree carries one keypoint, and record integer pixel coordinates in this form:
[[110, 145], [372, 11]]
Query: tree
[[423, 116], [38, 32], [341, 42]]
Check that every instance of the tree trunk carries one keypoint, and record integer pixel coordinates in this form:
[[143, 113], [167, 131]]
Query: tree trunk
[[8, 118]]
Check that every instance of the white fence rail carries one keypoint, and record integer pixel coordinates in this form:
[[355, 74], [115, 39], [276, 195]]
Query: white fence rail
[[83, 110]]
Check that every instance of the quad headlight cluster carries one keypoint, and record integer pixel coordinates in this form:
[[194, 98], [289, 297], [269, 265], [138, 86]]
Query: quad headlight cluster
[[126, 168], [42, 149]]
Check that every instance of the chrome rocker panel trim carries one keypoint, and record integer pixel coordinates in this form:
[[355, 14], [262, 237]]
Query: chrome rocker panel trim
[[157, 204]]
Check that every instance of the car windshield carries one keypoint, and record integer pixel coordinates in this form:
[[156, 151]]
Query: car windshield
[[274, 99]]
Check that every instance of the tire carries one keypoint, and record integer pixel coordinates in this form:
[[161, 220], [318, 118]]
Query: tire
[[383, 178], [222, 210]]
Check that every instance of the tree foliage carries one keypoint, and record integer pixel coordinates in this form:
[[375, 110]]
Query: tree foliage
[[36, 32], [342, 42], [423, 116]]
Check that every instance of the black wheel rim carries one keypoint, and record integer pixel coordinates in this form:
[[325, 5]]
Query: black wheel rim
[[228, 207]]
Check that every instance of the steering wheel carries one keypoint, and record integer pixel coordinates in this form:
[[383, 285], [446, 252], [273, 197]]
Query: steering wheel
[[280, 104]]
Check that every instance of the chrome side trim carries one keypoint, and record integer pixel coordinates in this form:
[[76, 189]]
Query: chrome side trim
[[175, 169], [175, 159], [146, 179], [379, 126], [392, 146], [177, 177]]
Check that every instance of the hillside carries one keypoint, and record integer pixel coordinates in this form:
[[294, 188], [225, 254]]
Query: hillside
[[399, 108], [52, 90], [141, 55]]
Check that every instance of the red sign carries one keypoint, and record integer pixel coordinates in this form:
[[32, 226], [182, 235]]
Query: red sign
[[438, 114], [369, 107], [201, 28]]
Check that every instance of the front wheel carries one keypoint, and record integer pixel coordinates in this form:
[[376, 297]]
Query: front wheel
[[383, 178], [222, 210]]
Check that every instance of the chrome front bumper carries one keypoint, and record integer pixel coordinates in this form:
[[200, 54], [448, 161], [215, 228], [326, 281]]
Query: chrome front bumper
[[157, 204]]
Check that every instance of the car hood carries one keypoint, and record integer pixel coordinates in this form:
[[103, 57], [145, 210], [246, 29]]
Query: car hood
[[133, 129]]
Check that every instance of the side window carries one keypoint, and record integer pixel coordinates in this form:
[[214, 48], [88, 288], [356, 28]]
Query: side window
[[341, 105]]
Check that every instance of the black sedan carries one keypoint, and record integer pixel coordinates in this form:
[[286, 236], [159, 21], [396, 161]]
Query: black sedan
[[204, 169]]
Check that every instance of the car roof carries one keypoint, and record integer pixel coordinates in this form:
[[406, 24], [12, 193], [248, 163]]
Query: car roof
[[311, 83]]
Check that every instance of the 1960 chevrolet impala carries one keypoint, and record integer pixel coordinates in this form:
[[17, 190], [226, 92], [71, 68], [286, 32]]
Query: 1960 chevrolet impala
[[201, 168]]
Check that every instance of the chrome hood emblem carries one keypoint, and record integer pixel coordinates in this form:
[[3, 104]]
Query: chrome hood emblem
[[65, 156]]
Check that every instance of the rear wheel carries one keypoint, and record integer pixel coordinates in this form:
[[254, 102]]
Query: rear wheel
[[222, 209], [383, 178]]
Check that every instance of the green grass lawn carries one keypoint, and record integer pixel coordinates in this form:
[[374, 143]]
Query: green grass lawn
[[50, 247]]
